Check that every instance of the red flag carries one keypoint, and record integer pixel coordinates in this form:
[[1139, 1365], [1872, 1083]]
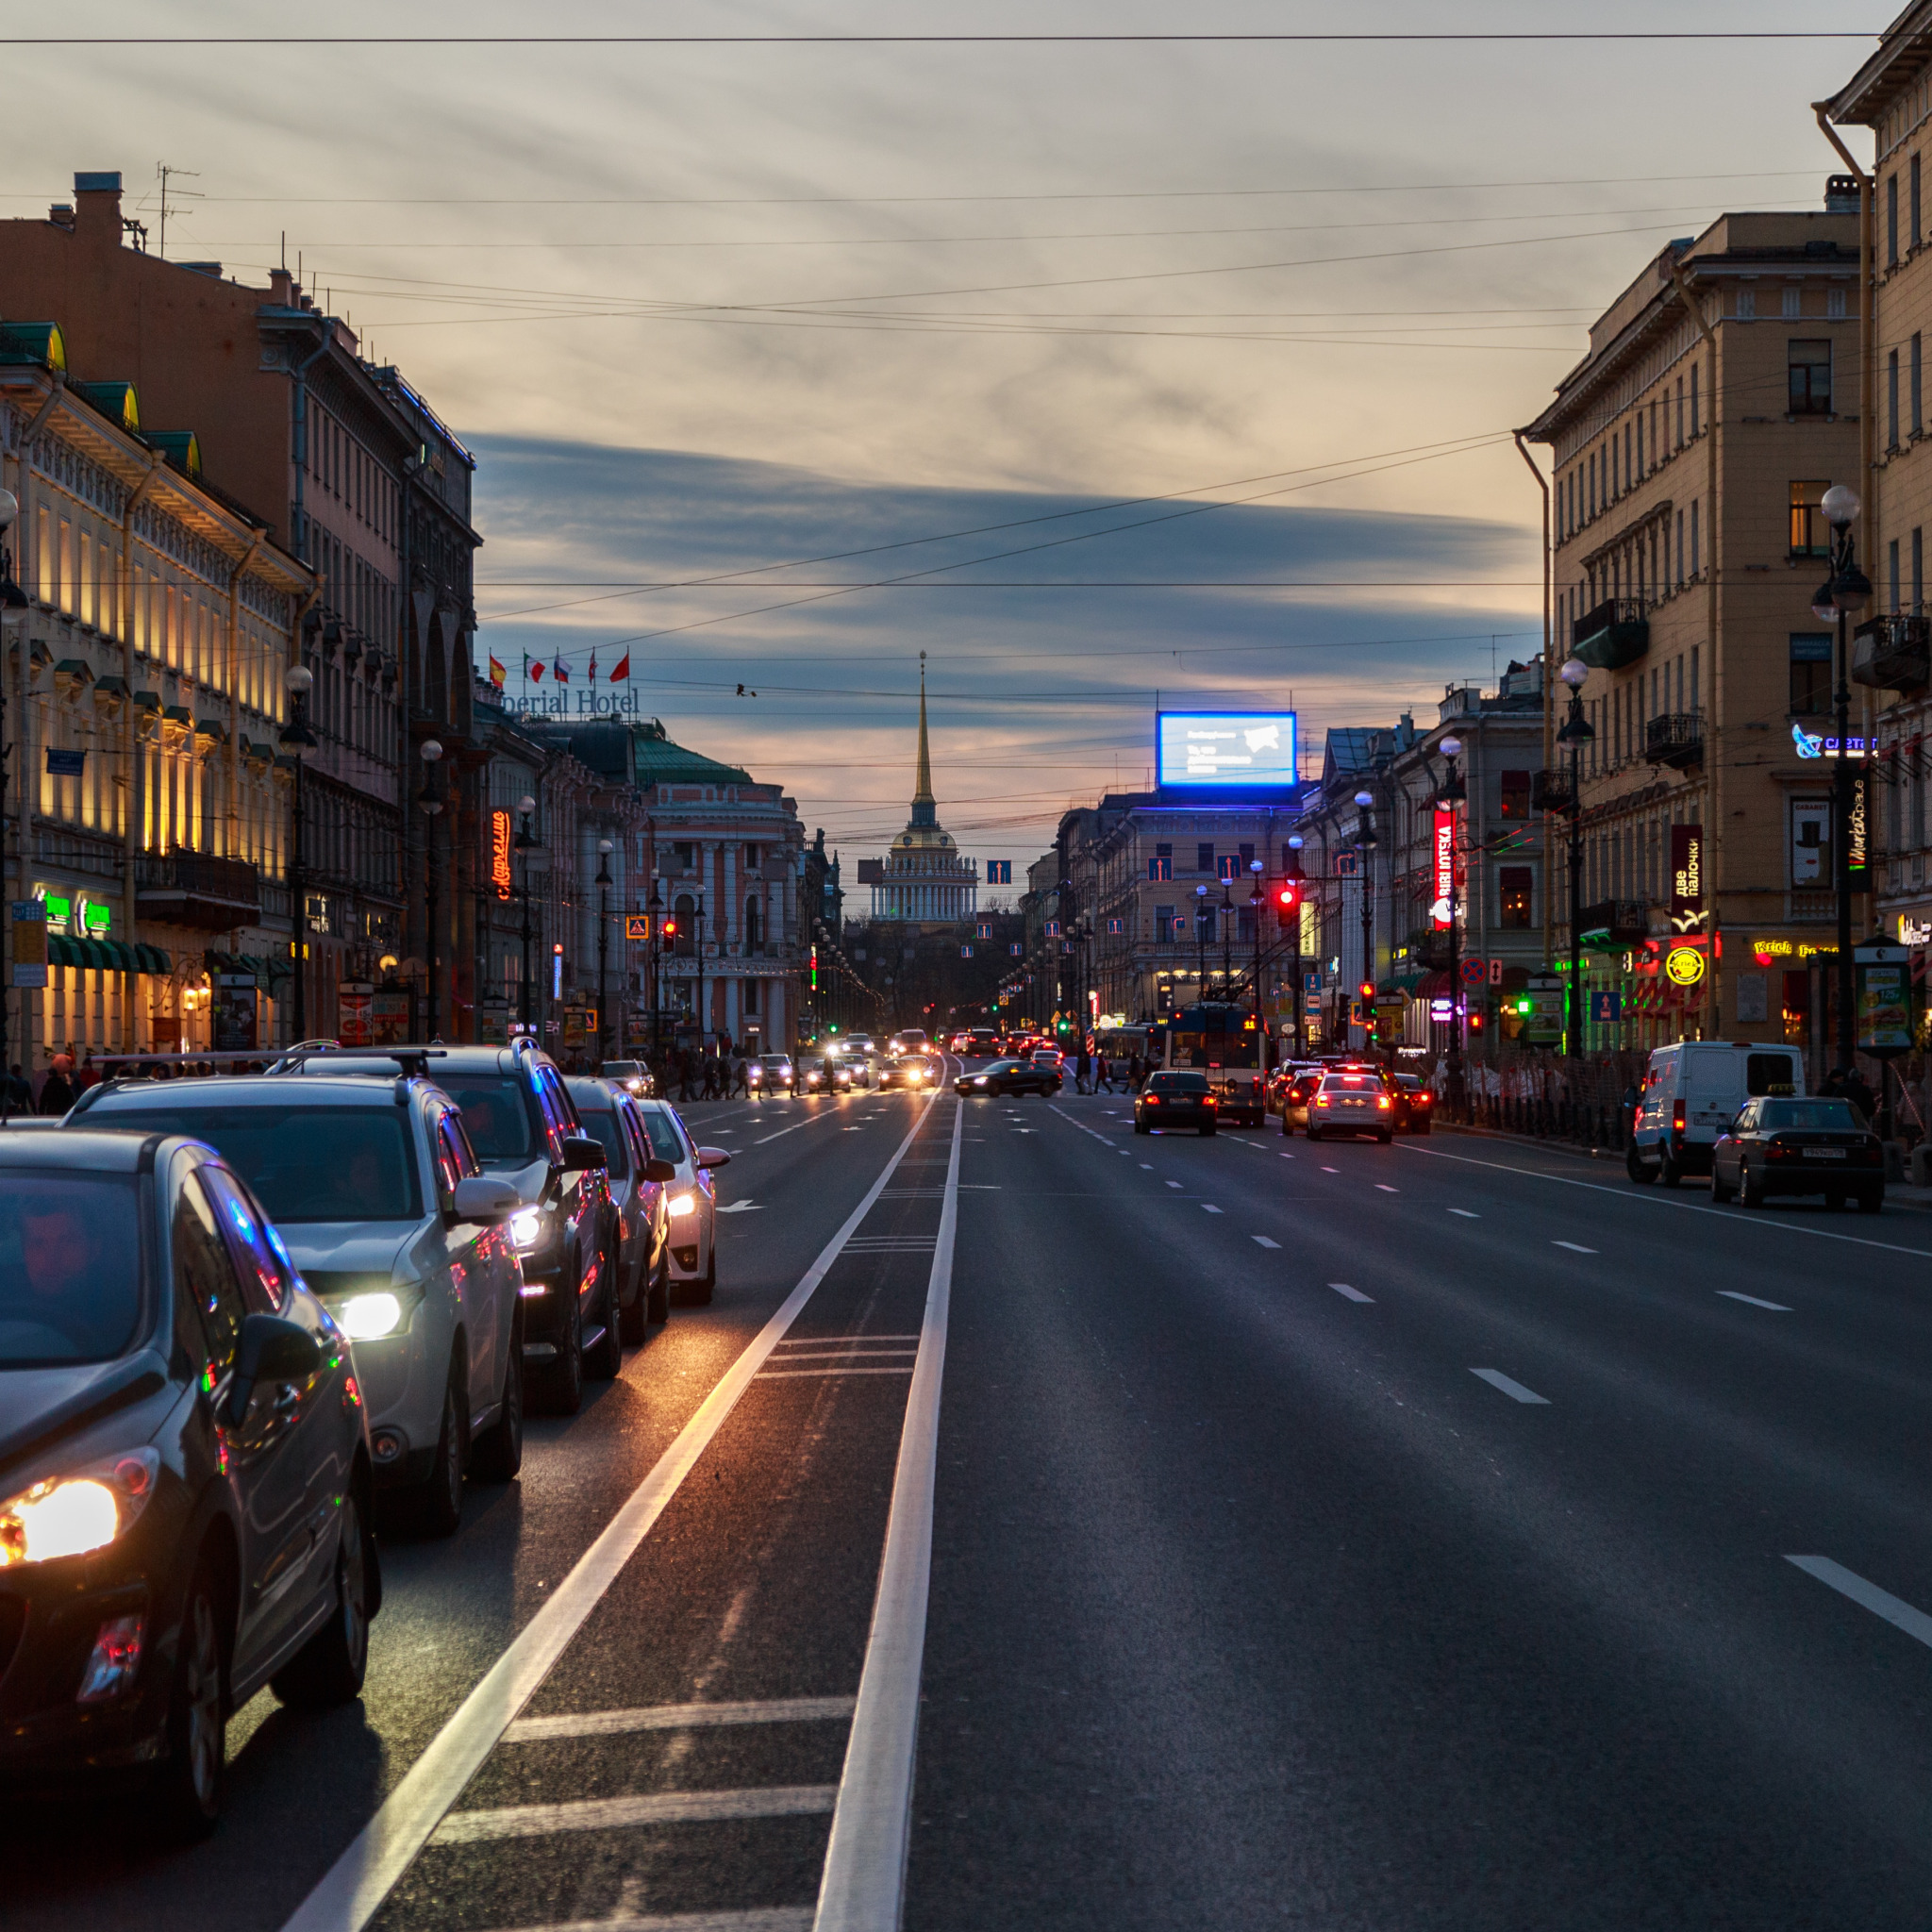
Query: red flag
[[622, 669], [537, 671]]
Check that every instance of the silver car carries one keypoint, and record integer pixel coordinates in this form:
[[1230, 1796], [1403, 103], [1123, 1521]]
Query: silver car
[[693, 1201], [388, 1217]]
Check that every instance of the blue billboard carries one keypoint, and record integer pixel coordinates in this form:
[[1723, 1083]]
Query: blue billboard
[[1225, 750]]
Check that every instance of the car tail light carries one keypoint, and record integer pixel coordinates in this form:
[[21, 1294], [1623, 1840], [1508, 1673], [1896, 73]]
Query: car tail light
[[1322, 1100], [1211, 1100], [1382, 1100], [1152, 1099]]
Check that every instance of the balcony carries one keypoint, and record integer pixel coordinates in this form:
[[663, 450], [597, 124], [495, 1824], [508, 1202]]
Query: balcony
[[1613, 924], [1549, 792], [192, 889], [1675, 739], [1615, 634], [1893, 653]]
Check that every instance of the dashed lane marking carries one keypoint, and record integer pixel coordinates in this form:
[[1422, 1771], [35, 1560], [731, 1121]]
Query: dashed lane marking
[[1353, 1294], [1881, 1603], [799, 1374], [1513, 1388], [1383, 1186], [1575, 1247], [1331, 1170], [1732, 1294], [643, 1808], [1146, 1167], [1261, 1240], [1173, 1184], [1208, 1208], [1467, 1213], [677, 1717]]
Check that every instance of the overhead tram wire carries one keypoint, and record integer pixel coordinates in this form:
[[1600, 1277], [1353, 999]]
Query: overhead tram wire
[[1523, 36]]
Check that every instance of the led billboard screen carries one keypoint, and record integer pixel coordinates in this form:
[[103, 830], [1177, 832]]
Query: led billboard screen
[[1230, 750]]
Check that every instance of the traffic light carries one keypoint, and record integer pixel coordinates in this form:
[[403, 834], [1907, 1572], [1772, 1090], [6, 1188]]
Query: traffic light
[[1368, 991], [1288, 904], [667, 933]]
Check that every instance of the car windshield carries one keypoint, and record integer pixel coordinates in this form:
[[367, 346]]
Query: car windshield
[[621, 1070], [496, 1114], [70, 1278], [305, 1163], [604, 1127], [1179, 1083], [662, 1130], [1408, 1083], [1807, 1113]]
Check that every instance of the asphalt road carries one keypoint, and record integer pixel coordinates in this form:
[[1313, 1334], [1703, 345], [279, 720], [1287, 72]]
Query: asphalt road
[[1368, 1538]]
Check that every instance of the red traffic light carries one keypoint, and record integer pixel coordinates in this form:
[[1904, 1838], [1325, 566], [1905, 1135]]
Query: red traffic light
[[1368, 989], [1287, 895]]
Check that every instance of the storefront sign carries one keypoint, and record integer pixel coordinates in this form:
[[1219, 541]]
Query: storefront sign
[[392, 1016], [1913, 932], [1684, 965], [76, 916], [499, 853], [1687, 878], [29, 952], [1543, 1023], [353, 998], [1884, 1000], [1441, 911], [1859, 866], [1812, 744], [233, 1013], [1765, 951]]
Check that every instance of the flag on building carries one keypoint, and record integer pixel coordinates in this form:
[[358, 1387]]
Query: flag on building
[[560, 670], [594, 667], [622, 669], [533, 671], [497, 672]]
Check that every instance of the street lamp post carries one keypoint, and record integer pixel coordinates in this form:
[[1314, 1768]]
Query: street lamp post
[[652, 978], [525, 844], [1365, 844], [1576, 732], [297, 741], [1453, 789], [1295, 872], [430, 799], [698, 930], [1257, 899], [13, 602], [602, 882], [1200, 943], [1840, 598]]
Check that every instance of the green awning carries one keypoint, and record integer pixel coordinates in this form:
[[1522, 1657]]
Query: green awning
[[105, 956], [1401, 982]]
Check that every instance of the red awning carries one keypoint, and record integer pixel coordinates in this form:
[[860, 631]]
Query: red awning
[[1433, 986]]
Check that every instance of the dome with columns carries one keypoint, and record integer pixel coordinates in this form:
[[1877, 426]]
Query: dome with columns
[[924, 880]]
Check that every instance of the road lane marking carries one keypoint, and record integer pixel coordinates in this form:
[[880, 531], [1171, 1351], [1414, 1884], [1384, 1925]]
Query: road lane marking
[[1353, 1294], [826, 1341], [1173, 1184], [1651, 1198], [1737, 1295], [863, 1888], [677, 1717], [1514, 1390], [1384, 1188], [352, 1890], [1468, 1215], [1261, 1240], [1146, 1167], [1575, 1247], [741, 1207], [799, 1374], [641, 1807], [793, 1128], [854, 1354], [1881, 1603], [754, 1918], [1208, 1208], [1331, 1170]]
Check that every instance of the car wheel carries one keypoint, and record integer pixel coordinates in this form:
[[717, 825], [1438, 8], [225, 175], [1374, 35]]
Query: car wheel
[[563, 1378], [1634, 1167], [189, 1784], [660, 1301], [1287, 1128], [329, 1668], [1871, 1200], [1668, 1171], [709, 1286], [1834, 1200], [497, 1454], [440, 1501], [1386, 1137], [605, 1356], [1720, 1190], [1140, 1127], [1750, 1186], [1207, 1132]]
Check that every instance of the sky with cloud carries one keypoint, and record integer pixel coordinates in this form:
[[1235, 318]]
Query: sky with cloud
[[1091, 369]]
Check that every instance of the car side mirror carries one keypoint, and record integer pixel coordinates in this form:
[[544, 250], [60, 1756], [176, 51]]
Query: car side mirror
[[582, 1154], [484, 1201], [660, 1170], [272, 1349], [713, 1157]]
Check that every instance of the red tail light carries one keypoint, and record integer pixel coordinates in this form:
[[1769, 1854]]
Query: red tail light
[[1678, 1118], [1382, 1100], [1152, 1099], [1322, 1100], [1211, 1100]]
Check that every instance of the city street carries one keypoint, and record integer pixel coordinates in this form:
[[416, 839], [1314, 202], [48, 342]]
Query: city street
[[1442, 1535]]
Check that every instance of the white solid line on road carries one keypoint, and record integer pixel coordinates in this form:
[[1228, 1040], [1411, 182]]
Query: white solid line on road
[[677, 1717], [1353, 1294], [640, 1808], [1467, 1213], [1261, 1240], [1384, 1188], [1881, 1603], [864, 1883], [1650, 1197], [1515, 1390], [756, 1919], [1208, 1208], [352, 1890], [1733, 1294], [1574, 1248], [818, 1342], [799, 1374], [794, 1127]]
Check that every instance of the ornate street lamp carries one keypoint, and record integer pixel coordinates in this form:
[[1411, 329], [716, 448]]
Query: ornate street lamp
[[298, 742], [1576, 732], [1454, 790]]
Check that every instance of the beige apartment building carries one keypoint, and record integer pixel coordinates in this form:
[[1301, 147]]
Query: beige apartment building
[[1891, 94], [1690, 448]]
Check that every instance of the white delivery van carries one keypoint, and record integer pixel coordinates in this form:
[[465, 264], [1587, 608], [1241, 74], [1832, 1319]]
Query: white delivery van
[[1692, 1092]]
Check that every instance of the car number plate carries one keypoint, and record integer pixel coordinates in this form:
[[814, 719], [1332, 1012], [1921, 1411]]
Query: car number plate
[[1825, 1153]]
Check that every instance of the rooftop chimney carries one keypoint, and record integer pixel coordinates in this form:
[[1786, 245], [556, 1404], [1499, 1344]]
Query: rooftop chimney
[[1840, 195], [97, 209]]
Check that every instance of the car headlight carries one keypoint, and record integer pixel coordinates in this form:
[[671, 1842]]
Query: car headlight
[[526, 1228], [70, 1515], [368, 1316], [684, 1204]]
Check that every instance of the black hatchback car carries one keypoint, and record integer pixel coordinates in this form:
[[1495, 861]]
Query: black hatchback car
[[1173, 1100], [1799, 1147], [184, 1469], [1009, 1076]]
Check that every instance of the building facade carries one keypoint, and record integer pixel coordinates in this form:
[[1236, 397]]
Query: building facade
[[922, 880]]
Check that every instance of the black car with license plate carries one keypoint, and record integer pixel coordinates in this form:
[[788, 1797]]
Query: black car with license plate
[[1171, 1101], [185, 1477], [1009, 1076], [1788, 1147]]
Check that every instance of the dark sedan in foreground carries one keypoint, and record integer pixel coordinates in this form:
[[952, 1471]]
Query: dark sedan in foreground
[[1171, 1101], [184, 1469], [1009, 1076], [1799, 1147]]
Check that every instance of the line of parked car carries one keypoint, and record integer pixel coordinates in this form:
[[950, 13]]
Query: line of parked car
[[244, 1319]]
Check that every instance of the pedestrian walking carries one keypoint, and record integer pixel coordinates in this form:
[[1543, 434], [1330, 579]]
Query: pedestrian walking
[[20, 1092], [1853, 1087], [740, 1070], [685, 1071], [57, 1092], [1083, 1070]]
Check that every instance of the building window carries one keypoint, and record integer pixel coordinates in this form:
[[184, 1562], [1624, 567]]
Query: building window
[[1810, 366], [1164, 925], [1918, 568], [1810, 533], [1515, 794], [1747, 304], [1892, 572], [1891, 400], [1834, 304], [1680, 412], [751, 997], [751, 858], [1514, 889], [1892, 221], [1810, 673], [1694, 413], [1694, 541], [1916, 419], [1203, 858], [1914, 234], [1794, 305], [1247, 857]]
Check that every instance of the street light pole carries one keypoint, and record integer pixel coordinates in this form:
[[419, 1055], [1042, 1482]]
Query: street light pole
[[1577, 731], [1256, 898], [430, 799], [1845, 594], [1365, 844], [13, 601], [1453, 789], [297, 741], [1200, 943], [1295, 872], [602, 882]]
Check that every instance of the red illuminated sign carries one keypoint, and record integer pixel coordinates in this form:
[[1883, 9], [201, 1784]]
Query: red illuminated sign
[[1440, 912]]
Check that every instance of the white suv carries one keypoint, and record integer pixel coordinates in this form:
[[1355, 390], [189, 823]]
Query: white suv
[[377, 1193]]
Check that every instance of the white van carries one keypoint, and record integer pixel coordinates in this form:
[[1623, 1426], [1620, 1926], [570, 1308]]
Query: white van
[[1692, 1092]]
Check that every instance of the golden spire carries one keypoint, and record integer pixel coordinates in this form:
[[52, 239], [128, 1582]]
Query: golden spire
[[921, 791]]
